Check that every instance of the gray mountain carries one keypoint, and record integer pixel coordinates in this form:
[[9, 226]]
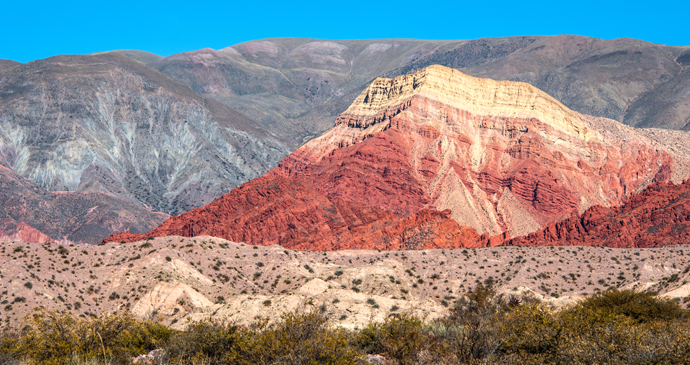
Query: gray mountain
[[296, 87], [7, 64], [140, 56], [107, 123]]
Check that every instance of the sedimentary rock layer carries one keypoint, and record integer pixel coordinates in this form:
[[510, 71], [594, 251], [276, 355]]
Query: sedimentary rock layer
[[440, 159], [278, 210], [503, 156], [658, 216]]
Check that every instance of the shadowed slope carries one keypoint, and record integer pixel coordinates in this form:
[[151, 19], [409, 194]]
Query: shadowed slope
[[108, 123], [31, 213]]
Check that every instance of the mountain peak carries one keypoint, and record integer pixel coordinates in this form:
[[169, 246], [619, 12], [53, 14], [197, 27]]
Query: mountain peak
[[386, 97]]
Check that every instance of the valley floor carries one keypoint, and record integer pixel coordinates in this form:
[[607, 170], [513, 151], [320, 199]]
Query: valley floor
[[176, 279]]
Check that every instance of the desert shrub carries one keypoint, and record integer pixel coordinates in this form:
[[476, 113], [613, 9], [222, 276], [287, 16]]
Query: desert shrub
[[206, 341], [59, 338], [623, 327], [295, 339], [641, 307], [8, 346], [472, 330], [530, 329], [401, 338]]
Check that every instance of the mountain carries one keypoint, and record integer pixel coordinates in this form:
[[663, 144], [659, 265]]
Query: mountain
[[7, 64], [30, 213], [499, 157], [106, 123], [658, 216], [296, 87]]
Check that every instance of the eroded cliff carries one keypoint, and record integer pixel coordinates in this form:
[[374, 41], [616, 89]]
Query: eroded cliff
[[447, 158]]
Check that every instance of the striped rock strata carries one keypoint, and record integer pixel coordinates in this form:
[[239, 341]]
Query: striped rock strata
[[503, 156], [500, 157]]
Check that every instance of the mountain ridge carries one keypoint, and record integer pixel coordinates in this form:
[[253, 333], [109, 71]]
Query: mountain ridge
[[117, 125], [301, 85], [491, 157]]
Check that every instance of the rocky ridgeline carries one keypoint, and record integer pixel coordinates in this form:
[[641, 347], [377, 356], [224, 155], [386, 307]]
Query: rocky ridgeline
[[106, 123], [437, 159], [297, 86]]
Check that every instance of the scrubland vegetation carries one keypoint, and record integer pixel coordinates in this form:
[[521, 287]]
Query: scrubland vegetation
[[612, 327]]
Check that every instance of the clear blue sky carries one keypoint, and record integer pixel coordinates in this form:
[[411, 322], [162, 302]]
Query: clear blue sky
[[39, 29]]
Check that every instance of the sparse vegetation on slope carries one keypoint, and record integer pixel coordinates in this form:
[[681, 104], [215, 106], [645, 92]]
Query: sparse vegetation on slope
[[181, 279], [482, 327]]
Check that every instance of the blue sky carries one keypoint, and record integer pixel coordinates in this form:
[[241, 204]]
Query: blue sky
[[39, 29]]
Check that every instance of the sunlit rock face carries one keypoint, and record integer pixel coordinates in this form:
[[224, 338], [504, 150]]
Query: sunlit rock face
[[503, 156], [110, 124], [438, 158]]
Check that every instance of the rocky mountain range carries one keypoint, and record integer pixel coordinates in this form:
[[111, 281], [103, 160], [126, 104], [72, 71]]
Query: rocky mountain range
[[436, 159], [297, 87], [362, 178], [169, 134], [106, 123]]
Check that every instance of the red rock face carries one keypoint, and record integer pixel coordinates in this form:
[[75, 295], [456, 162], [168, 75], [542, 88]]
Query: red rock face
[[278, 210], [496, 175], [12, 231], [658, 216], [436, 159]]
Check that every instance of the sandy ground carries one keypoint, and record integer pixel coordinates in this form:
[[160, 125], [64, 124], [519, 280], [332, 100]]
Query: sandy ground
[[178, 279]]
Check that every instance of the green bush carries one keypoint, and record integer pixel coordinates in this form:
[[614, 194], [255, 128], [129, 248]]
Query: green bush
[[294, 338], [59, 338], [641, 307], [613, 327], [206, 341], [399, 337]]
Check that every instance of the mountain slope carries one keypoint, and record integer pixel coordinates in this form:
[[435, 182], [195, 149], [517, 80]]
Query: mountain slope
[[297, 86], [7, 64], [658, 216], [503, 157], [107, 123], [31, 213], [291, 213]]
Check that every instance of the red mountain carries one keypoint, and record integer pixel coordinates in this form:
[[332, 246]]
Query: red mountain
[[431, 152], [278, 210], [659, 216]]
